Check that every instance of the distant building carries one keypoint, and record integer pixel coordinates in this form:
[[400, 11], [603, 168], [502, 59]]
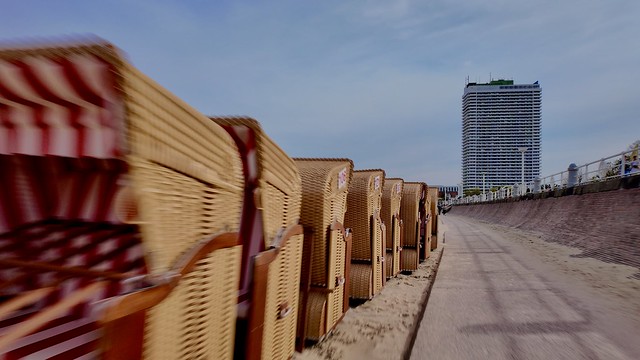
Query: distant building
[[448, 191], [500, 119]]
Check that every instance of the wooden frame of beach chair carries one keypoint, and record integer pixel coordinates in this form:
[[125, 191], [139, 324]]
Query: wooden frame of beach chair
[[412, 199], [425, 225], [115, 212], [433, 228], [272, 244], [324, 280], [391, 198], [364, 201]]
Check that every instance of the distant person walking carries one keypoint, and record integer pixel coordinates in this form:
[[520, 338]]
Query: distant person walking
[[439, 209]]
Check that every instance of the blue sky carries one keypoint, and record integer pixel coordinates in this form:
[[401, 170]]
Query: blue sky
[[378, 81]]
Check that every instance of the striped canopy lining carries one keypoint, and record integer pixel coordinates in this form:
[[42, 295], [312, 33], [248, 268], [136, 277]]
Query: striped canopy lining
[[65, 106], [35, 188], [100, 246], [69, 243], [60, 211], [61, 132]]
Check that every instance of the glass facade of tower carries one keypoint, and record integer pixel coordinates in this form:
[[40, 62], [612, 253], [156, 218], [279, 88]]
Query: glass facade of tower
[[499, 119]]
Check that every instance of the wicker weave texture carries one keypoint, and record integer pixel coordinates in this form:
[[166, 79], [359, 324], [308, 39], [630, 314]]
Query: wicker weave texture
[[186, 182], [388, 263], [166, 132], [379, 254], [188, 176], [361, 285], [316, 315], [409, 213], [391, 199], [433, 198], [433, 229], [363, 202], [186, 325], [363, 217], [324, 311], [279, 180], [409, 259], [336, 310], [279, 337], [325, 183]]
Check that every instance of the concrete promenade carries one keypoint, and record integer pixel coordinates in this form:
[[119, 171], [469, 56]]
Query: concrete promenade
[[496, 297]]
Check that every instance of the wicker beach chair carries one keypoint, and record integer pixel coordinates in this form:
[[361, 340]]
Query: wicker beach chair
[[324, 283], [433, 218], [272, 244], [413, 216], [391, 198], [118, 204], [367, 275], [425, 225]]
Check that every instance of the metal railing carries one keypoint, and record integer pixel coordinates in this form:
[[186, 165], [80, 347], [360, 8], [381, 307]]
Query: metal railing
[[611, 167]]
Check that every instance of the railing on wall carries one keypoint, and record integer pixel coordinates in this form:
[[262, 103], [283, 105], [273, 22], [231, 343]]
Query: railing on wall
[[615, 166]]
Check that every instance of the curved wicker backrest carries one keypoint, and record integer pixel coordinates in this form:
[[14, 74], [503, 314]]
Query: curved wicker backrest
[[363, 217], [325, 184], [187, 175], [275, 196], [410, 213], [425, 230], [277, 175], [363, 202], [183, 180], [433, 231], [391, 198], [413, 196]]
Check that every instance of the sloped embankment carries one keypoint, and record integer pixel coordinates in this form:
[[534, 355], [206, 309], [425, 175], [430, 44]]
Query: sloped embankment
[[604, 225]]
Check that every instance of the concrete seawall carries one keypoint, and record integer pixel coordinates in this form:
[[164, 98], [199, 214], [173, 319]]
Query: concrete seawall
[[604, 225]]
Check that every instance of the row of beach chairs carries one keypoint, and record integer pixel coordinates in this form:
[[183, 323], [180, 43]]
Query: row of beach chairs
[[132, 226]]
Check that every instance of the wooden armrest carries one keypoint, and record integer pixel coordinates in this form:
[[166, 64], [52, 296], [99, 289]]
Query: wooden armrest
[[261, 264], [284, 235], [346, 232], [346, 235], [121, 306]]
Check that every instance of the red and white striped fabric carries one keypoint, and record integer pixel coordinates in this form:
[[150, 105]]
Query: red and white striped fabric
[[65, 106], [97, 246], [68, 337], [35, 188], [88, 188], [61, 144]]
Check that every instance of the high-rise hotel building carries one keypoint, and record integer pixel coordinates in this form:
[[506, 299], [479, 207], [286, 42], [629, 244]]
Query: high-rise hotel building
[[500, 121]]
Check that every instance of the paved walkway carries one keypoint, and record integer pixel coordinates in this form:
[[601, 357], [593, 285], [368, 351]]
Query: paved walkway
[[494, 299]]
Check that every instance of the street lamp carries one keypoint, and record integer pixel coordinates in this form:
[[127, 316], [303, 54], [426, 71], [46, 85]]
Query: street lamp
[[483, 191], [523, 150]]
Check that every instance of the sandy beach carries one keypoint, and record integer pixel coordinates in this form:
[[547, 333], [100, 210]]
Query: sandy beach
[[381, 328], [605, 278]]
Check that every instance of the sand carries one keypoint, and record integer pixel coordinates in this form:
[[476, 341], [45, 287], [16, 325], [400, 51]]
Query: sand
[[383, 327], [608, 279]]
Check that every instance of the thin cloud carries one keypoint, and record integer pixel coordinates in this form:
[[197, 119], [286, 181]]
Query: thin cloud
[[378, 81]]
